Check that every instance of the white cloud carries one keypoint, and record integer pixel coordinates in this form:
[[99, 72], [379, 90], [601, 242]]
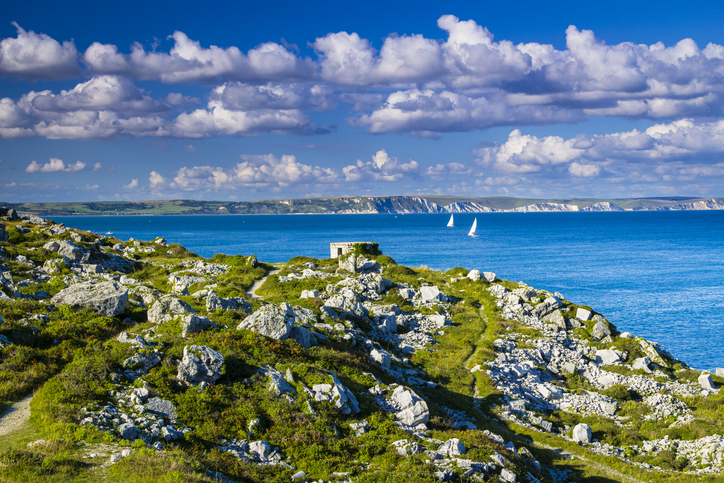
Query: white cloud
[[190, 148], [425, 111], [54, 165], [254, 172], [37, 56], [97, 167], [187, 61], [132, 185], [669, 153], [383, 167]]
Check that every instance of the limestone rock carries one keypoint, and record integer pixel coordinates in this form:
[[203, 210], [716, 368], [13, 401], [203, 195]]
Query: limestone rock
[[582, 433], [412, 409], [305, 337], [642, 363], [139, 364], [474, 275], [128, 431], [309, 294], [600, 330], [607, 357], [214, 303], [381, 357], [344, 400], [451, 448], [193, 324], [432, 294], [200, 364], [508, 476], [556, 318], [136, 340], [108, 298], [162, 407], [167, 308], [489, 276], [71, 251], [277, 384], [271, 320], [583, 314]]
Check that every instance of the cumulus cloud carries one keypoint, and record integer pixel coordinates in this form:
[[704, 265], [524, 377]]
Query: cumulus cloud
[[37, 56], [132, 185], [188, 61], [383, 167], [425, 111], [54, 165], [97, 167], [683, 150], [255, 172]]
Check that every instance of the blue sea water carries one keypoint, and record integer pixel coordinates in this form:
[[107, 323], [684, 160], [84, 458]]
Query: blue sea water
[[656, 274]]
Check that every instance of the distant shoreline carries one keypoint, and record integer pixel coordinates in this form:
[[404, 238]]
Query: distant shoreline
[[398, 205]]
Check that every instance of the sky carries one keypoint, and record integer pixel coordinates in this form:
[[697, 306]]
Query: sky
[[274, 100]]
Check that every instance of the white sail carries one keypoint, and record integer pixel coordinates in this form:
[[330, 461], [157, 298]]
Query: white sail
[[473, 228], [450, 223]]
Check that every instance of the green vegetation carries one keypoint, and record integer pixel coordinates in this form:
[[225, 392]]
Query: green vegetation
[[70, 358]]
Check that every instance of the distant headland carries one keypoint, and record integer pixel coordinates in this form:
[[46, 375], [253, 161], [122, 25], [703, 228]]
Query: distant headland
[[366, 205]]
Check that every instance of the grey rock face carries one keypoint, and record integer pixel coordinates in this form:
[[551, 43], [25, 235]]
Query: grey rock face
[[642, 363], [583, 314], [277, 384], [167, 308], [193, 324], [381, 357], [139, 364], [309, 294], [128, 431], [600, 330], [214, 303], [607, 357], [451, 448], [305, 337], [108, 298], [548, 306], [431, 294], [344, 400], [71, 251], [474, 275], [346, 301], [200, 364], [582, 433], [162, 407], [412, 409], [556, 318], [271, 320], [136, 340], [489, 276], [4, 235]]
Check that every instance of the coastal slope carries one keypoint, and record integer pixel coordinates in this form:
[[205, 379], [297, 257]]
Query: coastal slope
[[146, 360]]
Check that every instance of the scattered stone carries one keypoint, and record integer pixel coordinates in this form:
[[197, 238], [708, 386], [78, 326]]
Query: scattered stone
[[451, 448], [489, 276], [582, 433], [108, 298], [271, 320], [193, 324], [214, 303], [583, 314], [200, 364], [411, 409], [474, 275], [167, 308]]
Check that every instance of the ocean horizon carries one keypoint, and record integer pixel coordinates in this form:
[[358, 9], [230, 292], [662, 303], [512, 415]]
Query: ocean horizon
[[654, 274]]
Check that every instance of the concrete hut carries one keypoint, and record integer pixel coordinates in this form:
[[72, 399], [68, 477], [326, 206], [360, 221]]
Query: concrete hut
[[343, 248]]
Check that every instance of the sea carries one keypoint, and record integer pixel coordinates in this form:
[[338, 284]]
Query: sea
[[656, 274]]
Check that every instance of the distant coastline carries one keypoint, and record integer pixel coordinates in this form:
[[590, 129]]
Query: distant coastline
[[366, 205]]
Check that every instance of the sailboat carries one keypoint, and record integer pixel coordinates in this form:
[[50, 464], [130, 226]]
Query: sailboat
[[473, 228], [450, 223]]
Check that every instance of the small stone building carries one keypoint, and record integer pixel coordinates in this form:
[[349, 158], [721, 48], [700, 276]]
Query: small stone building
[[342, 248]]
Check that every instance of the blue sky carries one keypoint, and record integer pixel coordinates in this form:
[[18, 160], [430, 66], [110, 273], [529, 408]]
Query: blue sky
[[250, 100]]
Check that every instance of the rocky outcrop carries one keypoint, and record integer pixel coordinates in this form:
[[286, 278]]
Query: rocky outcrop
[[200, 364], [214, 303], [275, 321], [108, 298], [168, 308]]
